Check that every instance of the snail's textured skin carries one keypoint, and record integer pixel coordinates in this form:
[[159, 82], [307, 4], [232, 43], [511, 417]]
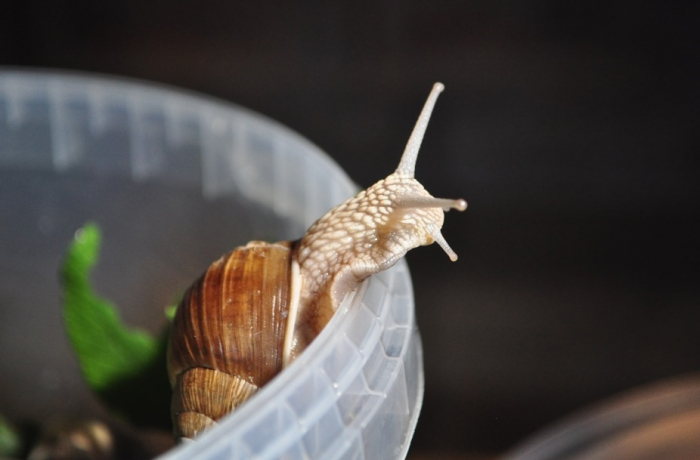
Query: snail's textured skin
[[363, 236]]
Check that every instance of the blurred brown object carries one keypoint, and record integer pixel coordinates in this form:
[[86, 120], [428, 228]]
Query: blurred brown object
[[442, 456], [97, 440], [90, 440], [655, 422]]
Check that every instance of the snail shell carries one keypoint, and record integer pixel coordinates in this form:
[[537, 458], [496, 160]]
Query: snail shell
[[255, 309], [228, 333]]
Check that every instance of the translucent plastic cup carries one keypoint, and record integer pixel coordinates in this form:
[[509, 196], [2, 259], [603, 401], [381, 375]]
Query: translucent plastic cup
[[175, 180]]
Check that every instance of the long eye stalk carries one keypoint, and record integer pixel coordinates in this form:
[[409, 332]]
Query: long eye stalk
[[407, 166]]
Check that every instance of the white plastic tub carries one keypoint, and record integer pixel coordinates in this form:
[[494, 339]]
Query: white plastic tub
[[175, 180]]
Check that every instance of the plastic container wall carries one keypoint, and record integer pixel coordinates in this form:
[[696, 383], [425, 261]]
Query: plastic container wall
[[354, 394]]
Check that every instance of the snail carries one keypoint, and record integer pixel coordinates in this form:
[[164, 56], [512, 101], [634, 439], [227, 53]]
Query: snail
[[258, 307]]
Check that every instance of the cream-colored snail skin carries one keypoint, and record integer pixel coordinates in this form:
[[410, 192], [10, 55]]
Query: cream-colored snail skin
[[258, 307]]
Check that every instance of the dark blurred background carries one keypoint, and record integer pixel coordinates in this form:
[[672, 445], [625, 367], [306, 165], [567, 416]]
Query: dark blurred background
[[570, 127]]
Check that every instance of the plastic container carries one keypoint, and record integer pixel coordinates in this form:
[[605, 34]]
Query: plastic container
[[175, 180], [657, 422]]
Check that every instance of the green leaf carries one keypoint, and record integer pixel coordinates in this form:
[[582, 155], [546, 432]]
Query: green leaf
[[123, 365], [170, 311], [106, 348], [10, 440]]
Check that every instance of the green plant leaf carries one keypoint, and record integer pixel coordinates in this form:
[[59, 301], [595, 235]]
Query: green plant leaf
[[123, 365], [170, 311], [10, 439]]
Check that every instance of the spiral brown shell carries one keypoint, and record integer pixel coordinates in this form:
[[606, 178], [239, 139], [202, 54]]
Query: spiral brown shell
[[228, 333]]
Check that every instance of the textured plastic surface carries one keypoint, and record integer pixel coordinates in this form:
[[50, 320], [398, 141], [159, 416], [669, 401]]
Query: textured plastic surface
[[357, 391]]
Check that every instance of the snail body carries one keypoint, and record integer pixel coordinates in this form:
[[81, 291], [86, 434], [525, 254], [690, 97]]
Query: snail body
[[258, 307]]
